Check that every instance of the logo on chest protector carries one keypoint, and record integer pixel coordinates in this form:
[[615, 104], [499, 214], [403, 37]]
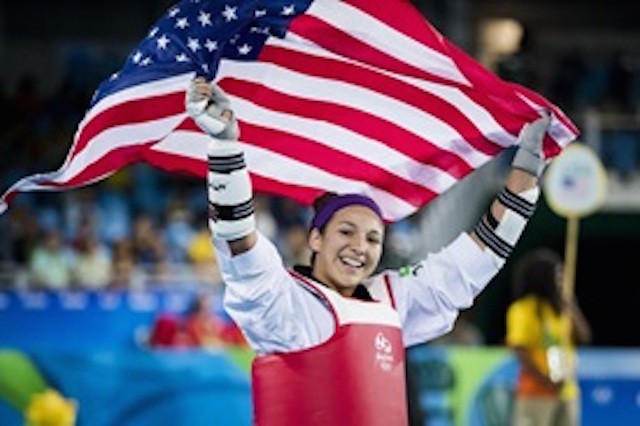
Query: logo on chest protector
[[384, 352]]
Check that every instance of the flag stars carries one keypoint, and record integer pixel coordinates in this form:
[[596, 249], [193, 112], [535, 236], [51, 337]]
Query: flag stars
[[162, 42], [146, 61], [182, 23], [244, 49], [136, 57], [174, 11], [182, 58], [193, 44], [288, 10], [234, 39], [153, 32], [205, 68], [230, 13], [211, 45], [204, 18], [260, 13], [114, 76]]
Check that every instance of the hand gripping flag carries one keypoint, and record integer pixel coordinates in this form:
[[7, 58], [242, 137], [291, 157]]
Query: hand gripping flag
[[347, 96]]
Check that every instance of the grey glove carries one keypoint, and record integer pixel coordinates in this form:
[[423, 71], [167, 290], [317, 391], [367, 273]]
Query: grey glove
[[530, 156], [207, 104]]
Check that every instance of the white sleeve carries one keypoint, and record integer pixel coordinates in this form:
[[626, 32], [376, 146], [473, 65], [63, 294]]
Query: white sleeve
[[430, 294], [274, 313]]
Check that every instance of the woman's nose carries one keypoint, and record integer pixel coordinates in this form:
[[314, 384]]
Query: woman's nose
[[359, 244]]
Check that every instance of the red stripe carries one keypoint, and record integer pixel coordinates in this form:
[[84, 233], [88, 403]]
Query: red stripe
[[360, 122], [127, 113], [111, 162], [330, 160], [341, 43], [178, 164], [335, 162], [387, 283], [341, 71], [403, 17], [393, 88]]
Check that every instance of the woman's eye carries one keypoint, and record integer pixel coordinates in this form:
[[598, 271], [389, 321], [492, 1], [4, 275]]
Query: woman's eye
[[374, 240], [346, 232]]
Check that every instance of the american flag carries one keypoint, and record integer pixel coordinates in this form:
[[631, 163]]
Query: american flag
[[340, 95]]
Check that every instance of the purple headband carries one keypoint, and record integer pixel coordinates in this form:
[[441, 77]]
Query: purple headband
[[339, 201]]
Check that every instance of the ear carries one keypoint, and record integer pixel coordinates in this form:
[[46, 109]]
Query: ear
[[315, 240]]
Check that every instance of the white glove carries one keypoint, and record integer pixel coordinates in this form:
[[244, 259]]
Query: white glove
[[211, 110], [530, 156]]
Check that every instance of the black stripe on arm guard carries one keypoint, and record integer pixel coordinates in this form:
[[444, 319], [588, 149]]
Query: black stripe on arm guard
[[492, 241], [226, 164], [230, 213], [516, 203]]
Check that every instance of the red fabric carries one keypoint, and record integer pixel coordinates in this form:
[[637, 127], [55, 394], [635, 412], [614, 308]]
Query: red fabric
[[356, 378]]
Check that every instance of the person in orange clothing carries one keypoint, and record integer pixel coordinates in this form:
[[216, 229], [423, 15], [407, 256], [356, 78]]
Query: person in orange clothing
[[542, 330], [201, 324]]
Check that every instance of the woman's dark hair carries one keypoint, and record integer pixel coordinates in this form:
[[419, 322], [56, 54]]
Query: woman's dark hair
[[317, 205], [536, 273]]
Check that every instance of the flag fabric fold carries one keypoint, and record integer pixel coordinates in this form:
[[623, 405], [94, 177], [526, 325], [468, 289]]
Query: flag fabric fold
[[346, 96]]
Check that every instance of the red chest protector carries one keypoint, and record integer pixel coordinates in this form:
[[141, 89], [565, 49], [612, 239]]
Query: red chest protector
[[356, 378]]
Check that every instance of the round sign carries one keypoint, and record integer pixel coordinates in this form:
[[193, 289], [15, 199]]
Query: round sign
[[575, 183]]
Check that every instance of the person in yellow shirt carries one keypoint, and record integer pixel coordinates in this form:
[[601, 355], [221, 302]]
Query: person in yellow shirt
[[542, 330]]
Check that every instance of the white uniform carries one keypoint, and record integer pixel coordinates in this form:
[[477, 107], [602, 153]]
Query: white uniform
[[278, 315]]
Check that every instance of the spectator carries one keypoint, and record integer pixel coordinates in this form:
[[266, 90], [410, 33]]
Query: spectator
[[50, 264], [201, 324], [126, 273], [92, 269], [201, 255], [167, 333], [542, 328], [149, 249]]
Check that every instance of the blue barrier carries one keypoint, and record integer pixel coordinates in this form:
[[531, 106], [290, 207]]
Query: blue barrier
[[84, 320]]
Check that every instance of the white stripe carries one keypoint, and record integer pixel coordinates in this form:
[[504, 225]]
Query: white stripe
[[385, 38], [347, 141], [558, 131], [101, 145], [142, 91], [475, 113], [278, 167], [412, 119]]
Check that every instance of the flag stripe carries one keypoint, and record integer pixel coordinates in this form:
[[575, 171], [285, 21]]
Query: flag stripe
[[449, 104], [173, 162], [348, 20], [336, 162], [495, 125], [340, 140], [357, 97], [407, 147], [274, 165], [403, 17], [131, 112]]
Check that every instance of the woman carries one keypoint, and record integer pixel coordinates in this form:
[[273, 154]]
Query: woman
[[330, 337], [542, 328]]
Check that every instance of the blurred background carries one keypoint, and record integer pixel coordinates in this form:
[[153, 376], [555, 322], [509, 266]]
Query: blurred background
[[101, 268]]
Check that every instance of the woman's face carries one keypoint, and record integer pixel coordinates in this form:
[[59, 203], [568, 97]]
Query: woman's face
[[349, 250]]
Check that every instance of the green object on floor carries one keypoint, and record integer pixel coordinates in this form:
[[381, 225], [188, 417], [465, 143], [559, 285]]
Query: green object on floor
[[19, 379]]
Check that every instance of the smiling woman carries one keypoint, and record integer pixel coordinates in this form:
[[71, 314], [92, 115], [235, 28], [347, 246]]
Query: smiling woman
[[330, 338]]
